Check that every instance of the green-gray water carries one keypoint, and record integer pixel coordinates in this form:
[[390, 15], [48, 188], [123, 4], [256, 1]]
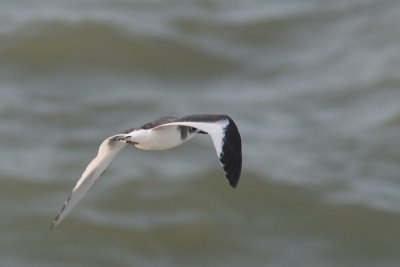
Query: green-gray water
[[313, 85]]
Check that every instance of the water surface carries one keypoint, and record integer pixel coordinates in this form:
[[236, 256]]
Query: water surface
[[312, 85]]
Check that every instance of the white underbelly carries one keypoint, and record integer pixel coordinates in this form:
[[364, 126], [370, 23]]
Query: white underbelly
[[161, 138]]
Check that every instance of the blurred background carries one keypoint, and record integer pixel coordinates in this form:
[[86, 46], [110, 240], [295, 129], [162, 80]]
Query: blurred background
[[313, 86]]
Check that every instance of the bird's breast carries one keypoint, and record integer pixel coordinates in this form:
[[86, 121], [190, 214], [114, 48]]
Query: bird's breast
[[160, 138]]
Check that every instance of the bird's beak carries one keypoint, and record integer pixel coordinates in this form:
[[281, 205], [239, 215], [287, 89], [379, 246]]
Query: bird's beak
[[125, 138], [119, 138]]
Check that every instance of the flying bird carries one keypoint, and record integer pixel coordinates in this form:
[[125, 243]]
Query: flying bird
[[161, 134]]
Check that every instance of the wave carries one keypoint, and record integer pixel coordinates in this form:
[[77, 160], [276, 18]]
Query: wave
[[100, 45]]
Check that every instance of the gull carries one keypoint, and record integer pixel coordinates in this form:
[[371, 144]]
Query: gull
[[163, 133]]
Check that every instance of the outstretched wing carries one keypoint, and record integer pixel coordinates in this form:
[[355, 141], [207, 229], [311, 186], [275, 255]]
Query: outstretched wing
[[80, 189], [226, 139], [107, 151]]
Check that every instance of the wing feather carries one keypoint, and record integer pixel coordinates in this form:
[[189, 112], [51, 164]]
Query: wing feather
[[96, 167], [226, 139]]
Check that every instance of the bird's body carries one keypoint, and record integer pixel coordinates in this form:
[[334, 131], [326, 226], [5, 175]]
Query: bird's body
[[156, 136], [161, 134]]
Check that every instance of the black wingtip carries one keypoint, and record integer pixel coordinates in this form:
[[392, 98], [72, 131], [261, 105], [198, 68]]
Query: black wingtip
[[234, 177], [231, 156], [233, 184], [53, 224]]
